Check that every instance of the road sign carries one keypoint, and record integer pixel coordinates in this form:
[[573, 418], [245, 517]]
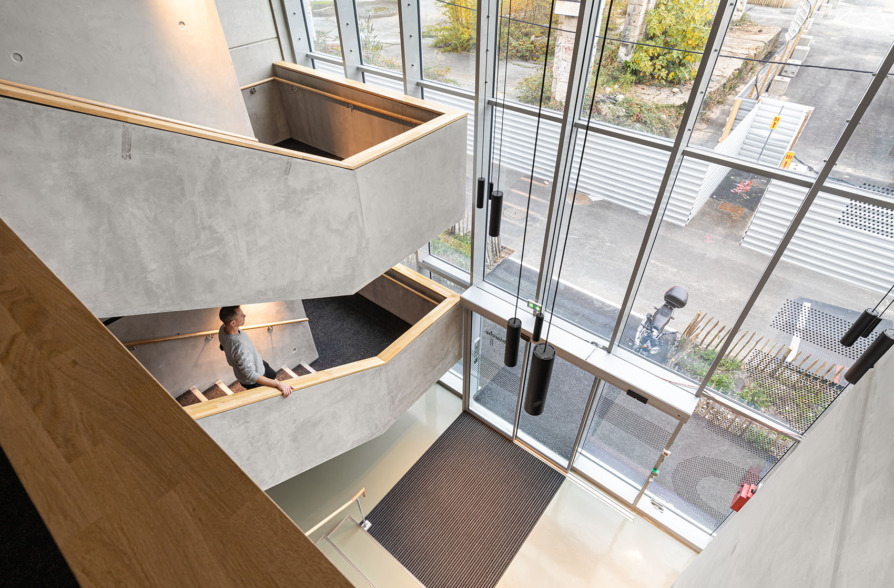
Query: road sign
[[787, 160]]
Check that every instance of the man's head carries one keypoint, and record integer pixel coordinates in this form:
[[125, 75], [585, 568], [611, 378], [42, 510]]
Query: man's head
[[232, 316]]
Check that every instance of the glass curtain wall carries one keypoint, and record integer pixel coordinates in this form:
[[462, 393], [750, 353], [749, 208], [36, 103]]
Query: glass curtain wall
[[784, 87]]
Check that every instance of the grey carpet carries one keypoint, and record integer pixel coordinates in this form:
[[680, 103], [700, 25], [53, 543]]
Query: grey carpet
[[350, 328], [462, 512]]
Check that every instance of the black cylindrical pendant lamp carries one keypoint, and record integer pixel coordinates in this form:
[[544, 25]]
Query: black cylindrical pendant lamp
[[538, 327], [862, 327], [513, 340], [539, 375], [873, 353], [496, 213], [480, 201], [490, 190]]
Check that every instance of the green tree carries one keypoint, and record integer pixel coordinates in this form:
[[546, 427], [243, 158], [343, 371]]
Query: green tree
[[681, 24]]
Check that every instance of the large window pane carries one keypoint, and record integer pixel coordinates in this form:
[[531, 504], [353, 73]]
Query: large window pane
[[617, 189], [515, 149], [494, 386], [523, 47], [759, 112], [649, 64], [705, 246], [715, 453], [868, 161], [787, 361], [448, 41], [553, 433], [324, 28], [380, 34]]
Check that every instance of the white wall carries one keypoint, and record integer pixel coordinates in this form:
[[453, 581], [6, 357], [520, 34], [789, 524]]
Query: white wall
[[129, 53], [825, 517]]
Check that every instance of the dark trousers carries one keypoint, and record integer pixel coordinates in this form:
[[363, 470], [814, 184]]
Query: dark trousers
[[269, 372]]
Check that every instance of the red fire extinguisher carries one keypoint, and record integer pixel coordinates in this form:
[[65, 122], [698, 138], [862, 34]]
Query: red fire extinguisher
[[745, 492]]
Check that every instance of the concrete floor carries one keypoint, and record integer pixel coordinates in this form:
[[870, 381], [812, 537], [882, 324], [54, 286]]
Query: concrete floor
[[583, 538]]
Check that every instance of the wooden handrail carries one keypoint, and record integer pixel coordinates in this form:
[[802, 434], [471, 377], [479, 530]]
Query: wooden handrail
[[261, 393], [354, 103], [340, 509], [129, 111], [206, 333]]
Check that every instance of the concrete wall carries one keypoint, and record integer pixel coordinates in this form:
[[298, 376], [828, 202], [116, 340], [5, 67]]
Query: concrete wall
[[188, 223], [252, 29], [824, 518], [396, 299], [177, 365], [279, 438], [129, 53]]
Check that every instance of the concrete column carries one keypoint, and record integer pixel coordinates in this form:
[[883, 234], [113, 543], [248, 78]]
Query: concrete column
[[634, 26], [567, 11]]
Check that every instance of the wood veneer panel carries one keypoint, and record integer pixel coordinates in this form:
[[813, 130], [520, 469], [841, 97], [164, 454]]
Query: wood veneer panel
[[132, 490]]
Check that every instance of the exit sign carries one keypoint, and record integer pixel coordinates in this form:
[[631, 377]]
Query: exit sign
[[534, 306]]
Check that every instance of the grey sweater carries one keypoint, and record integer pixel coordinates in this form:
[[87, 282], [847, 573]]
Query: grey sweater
[[242, 356]]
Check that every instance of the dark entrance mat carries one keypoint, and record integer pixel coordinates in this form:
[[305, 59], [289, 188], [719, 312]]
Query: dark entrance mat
[[462, 512]]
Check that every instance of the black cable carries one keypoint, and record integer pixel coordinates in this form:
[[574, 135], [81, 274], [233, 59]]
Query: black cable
[[577, 179], [883, 299], [521, 263], [503, 111]]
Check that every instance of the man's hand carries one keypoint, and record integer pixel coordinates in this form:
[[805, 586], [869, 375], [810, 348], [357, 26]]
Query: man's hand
[[284, 388]]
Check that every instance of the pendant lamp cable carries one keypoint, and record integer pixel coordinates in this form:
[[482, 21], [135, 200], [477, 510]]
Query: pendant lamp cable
[[505, 78], [521, 264], [888, 293], [490, 166], [579, 168]]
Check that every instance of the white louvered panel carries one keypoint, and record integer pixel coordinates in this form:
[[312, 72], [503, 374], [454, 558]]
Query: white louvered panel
[[624, 173], [384, 82], [516, 131], [822, 243], [332, 68]]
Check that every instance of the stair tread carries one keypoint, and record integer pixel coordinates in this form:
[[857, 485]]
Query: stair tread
[[188, 399], [214, 391]]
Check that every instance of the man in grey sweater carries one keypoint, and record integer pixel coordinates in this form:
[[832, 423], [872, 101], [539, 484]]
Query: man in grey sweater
[[250, 369]]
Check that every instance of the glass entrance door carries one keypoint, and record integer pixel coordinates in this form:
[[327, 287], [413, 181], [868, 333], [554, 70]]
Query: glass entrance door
[[623, 442]]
